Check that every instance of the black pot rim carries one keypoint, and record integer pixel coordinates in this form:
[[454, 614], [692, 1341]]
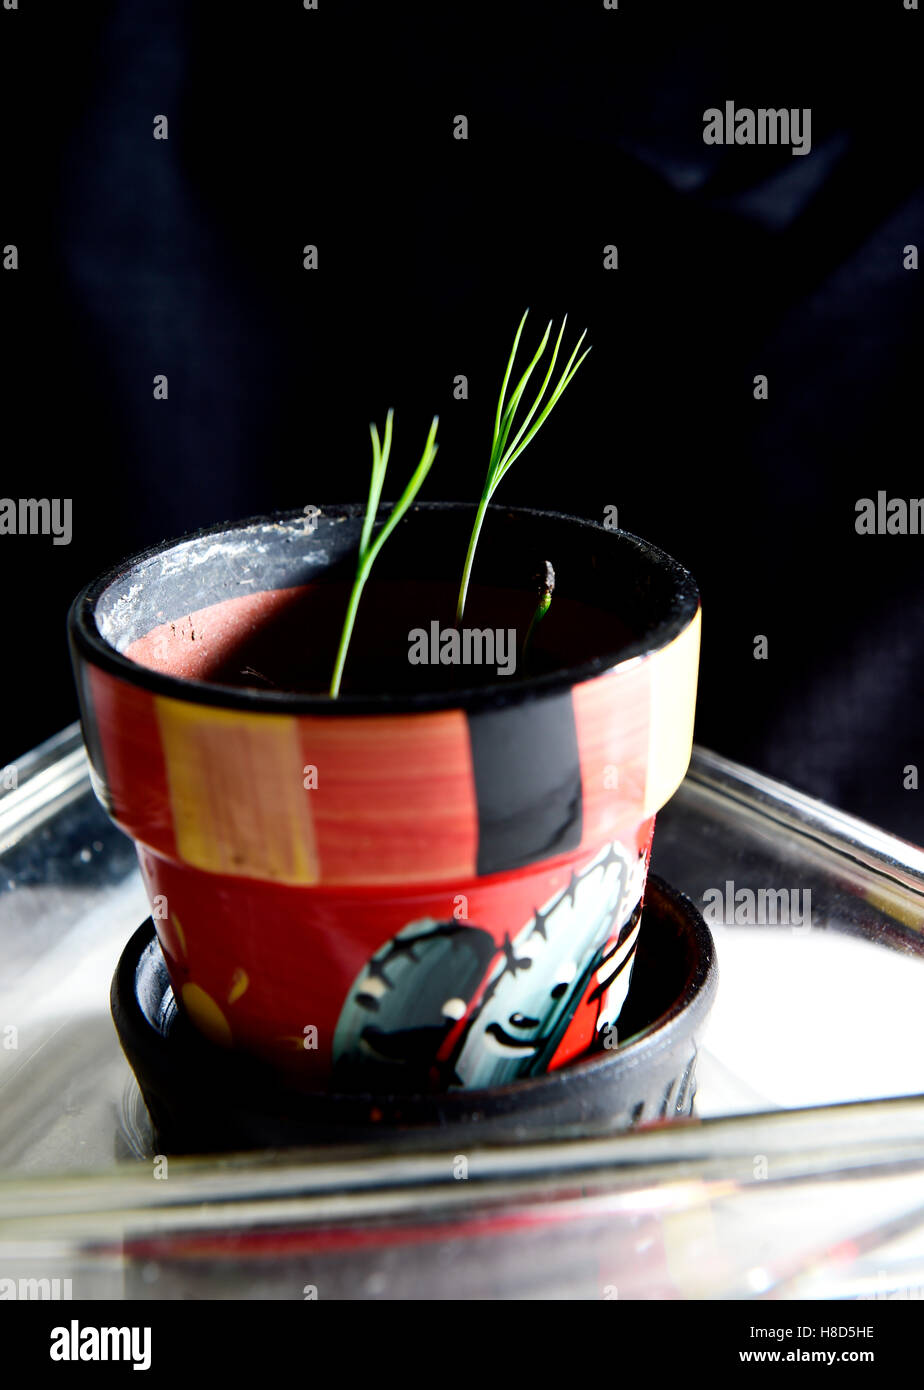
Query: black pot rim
[[143, 1042], [88, 642]]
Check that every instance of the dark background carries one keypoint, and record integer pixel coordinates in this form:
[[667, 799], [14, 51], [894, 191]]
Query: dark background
[[334, 127]]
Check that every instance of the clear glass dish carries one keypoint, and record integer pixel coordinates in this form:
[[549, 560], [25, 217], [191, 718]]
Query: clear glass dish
[[802, 1175]]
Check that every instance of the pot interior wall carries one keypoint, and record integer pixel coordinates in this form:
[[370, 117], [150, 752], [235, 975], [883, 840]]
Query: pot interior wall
[[262, 605]]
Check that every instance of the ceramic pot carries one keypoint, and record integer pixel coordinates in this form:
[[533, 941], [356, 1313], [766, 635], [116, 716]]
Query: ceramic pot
[[435, 880]]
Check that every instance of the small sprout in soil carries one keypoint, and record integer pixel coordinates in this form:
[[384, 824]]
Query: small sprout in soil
[[369, 549], [503, 453], [545, 580]]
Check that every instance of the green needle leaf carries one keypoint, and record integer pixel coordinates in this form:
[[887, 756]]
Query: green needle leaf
[[381, 450], [410, 492], [502, 454], [517, 396], [552, 400], [500, 403], [380, 455], [522, 429]]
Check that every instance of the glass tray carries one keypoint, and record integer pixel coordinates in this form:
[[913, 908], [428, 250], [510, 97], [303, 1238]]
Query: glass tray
[[802, 1174]]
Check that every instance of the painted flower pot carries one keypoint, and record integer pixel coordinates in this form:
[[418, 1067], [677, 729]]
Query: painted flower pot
[[434, 881]]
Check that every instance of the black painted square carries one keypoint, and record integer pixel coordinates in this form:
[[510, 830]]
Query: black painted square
[[527, 782]]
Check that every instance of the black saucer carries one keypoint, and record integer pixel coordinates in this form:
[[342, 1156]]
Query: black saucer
[[204, 1099]]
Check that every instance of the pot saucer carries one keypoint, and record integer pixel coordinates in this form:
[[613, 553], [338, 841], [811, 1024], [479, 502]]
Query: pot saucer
[[202, 1098]]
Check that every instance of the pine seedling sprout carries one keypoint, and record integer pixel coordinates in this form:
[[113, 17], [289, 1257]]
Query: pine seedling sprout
[[504, 450], [369, 548], [545, 582]]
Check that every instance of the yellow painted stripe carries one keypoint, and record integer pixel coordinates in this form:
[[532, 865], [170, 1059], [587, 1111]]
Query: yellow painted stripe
[[236, 791], [674, 671]]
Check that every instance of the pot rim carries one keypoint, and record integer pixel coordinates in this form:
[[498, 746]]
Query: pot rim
[[88, 642]]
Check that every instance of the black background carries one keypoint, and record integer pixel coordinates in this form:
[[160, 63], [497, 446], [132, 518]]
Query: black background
[[335, 127]]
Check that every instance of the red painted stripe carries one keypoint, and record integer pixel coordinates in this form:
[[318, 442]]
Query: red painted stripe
[[135, 772], [395, 801]]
